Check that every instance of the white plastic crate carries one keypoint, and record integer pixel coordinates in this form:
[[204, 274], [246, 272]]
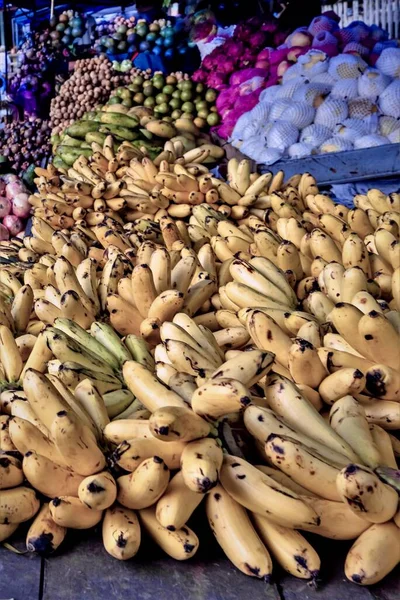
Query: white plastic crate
[[385, 13]]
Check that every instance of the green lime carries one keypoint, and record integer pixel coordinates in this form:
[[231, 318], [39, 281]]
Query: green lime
[[186, 95], [175, 103], [203, 113], [176, 94], [200, 88], [148, 90], [211, 95], [149, 102], [163, 108], [168, 89], [188, 107], [213, 119], [139, 98], [160, 98], [176, 114]]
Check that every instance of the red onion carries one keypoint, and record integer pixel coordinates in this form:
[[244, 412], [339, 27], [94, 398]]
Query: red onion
[[5, 207], [20, 205], [4, 233], [13, 224], [2, 187], [14, 188]]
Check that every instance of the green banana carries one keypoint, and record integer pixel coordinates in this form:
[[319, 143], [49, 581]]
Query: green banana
[[89, 342], [121, 133], [105, 335], [81, 128], [118, 119], [140, 351]]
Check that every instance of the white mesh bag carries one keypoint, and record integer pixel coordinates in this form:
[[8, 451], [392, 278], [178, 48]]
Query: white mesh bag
[[389, 62], [345, 88], [335, 144], [371, 140], [282, 135], [346, 66], [315, 135], [331, 112], [389, 100], [372, 83], [300, 150]]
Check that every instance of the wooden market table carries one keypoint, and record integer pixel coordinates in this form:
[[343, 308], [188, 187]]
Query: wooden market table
[[82, 570]]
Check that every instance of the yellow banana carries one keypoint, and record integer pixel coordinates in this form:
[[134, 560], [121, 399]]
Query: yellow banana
[[87, 394], [347, 418], [76, 444], [267, 335], [262, 422], [261, 494], [39, 356], [291, 550], [201, 462], [219, 397], [131, 453], [383, 382], [18, 505], [11, 474], [381, 340], [304, 364], [366, 495], [374, 554], [177, 504], [248, 367], [44, 535], [21, 308], [287, 402], [345, 318], [355, 254], [337, 520], [301, 464], [69, 511], [236, 535], [383, 443], [9, 355], [180, 544], [121, 532], [341, 383], [62, 481], [146, 387], [98, 491], [173, 423], [145, 485], [184, 385]]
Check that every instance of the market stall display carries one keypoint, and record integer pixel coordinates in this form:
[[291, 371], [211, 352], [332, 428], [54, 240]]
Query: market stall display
[[181, 334], [26, 142], [90, 84], [132, 304], [172, 95], [324, 105], [116, 36], [306, 54]]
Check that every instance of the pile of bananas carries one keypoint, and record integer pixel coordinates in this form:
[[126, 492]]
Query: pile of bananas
[[137, 341], [137, 125]]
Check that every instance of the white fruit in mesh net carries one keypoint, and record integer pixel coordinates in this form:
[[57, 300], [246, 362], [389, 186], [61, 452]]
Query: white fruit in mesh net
[[300, 150], [250, 130], [361, 108], [387, 125], [315, 135], [252, 146], [240, 126], [324, 79], [300, 114], [293, 72], [269, 156], [389, 62], [372, 83], [371, 140], [313, 62], [331, 112], [269, 94], [279, 107], [335, 144], [346, 66], [311, 93], [389, 101], [394, 136], [351, 129], [282, 135], [345, 88], [288, 89]]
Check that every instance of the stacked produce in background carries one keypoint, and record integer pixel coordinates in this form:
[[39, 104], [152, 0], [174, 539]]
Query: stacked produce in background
[[66, 29], [153, 310], [159, 37], [171, 95], [324, 105], [116, 36], [90, 84], [26, 142], [241, 90]]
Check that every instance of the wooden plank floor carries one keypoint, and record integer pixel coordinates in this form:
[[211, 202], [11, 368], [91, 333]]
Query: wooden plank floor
[[82, 570]]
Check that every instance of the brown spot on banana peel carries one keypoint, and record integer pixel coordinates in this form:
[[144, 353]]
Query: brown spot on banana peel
[[95, 488]]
